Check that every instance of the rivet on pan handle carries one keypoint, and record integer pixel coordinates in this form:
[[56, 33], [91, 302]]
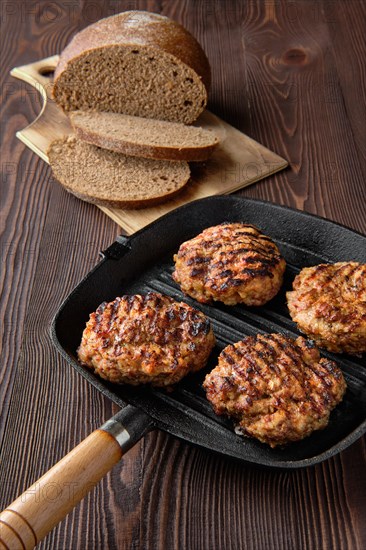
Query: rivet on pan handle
[[43, 505]]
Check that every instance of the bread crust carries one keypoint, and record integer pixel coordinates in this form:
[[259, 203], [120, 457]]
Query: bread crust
[[140, 29], [189, 154], [127, 205]]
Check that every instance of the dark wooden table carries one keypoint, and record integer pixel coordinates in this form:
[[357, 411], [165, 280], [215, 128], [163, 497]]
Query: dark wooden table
[[292, 76]]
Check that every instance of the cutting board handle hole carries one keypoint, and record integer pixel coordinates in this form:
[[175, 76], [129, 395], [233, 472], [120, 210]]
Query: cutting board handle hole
[[47, 72]]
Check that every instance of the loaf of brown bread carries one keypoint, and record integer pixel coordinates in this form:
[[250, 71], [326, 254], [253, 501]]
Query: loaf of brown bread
[[144, 137], [112, 179], [136, 63]]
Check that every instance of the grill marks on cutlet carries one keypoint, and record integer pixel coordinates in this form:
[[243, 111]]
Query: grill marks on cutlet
[[155, 325], [331, 276], [277, 389], [251, 246], [232, 263], [265, 356], [146, 338], [274, 352], [328, 303]]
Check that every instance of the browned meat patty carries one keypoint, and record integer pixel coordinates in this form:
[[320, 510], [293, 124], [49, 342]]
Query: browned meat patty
[[275, 388], [146, 339], [328, 303], [231, 263]]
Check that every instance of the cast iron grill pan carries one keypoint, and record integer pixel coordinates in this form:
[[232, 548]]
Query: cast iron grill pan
[[144, 262]]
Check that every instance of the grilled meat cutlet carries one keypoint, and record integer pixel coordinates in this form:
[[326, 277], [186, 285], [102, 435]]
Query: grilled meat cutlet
[[328, 303], [231, 263], [275, 388], [146, 339]]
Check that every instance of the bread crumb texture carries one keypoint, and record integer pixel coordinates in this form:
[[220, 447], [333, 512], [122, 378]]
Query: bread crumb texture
[[144, 137], [112, 179], [136, 63]]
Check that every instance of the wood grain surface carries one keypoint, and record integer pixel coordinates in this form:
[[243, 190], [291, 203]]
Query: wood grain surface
[[291, 75]]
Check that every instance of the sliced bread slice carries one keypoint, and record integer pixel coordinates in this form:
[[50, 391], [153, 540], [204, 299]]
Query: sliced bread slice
[[111, 179], [144, 137]]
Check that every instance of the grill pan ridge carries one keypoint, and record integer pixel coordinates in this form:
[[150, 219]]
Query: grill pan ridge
[[144, 262]]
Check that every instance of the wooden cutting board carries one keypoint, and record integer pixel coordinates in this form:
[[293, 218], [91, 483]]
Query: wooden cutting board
[[238, 161]]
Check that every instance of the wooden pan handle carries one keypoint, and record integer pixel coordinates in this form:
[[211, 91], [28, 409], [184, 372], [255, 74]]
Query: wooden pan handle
[[43, 505]]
